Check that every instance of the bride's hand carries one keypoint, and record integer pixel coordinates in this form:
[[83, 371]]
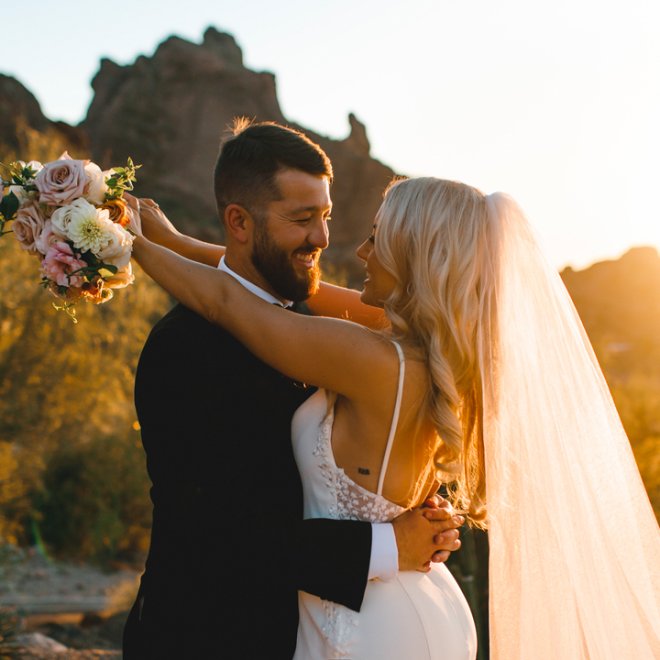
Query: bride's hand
[[424, 535], [135, 224], [156, 226]]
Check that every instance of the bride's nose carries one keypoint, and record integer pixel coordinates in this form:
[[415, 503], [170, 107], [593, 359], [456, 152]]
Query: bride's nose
[[363, 250]]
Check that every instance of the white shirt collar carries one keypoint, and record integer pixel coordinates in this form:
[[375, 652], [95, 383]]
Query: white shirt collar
[[252, 287]]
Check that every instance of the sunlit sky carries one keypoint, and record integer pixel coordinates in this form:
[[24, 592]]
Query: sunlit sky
[[556, 103]]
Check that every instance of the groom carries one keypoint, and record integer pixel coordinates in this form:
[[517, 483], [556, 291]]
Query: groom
[[229, 548]]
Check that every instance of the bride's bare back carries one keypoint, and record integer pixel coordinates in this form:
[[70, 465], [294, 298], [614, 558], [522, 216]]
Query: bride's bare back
[[361, 431]]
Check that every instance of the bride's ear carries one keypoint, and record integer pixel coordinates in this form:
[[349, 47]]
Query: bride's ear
[[238, 223]]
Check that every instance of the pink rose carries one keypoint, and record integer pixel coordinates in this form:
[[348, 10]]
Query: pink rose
[[62, 181], [60, 262], [28, 227], [47, 238]]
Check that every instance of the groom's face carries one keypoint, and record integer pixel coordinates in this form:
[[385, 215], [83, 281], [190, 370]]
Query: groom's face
[[291, 234]]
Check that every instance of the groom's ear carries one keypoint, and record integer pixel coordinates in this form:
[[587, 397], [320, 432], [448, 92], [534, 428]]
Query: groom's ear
[[238, 223]]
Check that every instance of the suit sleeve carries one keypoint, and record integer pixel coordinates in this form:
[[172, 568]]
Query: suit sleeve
[[330, 559]]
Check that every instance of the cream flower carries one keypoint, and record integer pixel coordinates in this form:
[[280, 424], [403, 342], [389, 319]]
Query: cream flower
[[89, 228], [90, 232], [96, 187], [118, 249], [61, 218]]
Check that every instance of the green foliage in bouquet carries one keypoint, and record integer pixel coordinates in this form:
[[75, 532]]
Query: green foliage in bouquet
[[121, 179], [18, 174], [70, 215]]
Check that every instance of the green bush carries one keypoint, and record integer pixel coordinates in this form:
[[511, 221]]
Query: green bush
[[93, 502]]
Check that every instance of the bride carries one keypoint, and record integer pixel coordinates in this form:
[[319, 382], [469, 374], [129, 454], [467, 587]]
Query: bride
[[485, 375]]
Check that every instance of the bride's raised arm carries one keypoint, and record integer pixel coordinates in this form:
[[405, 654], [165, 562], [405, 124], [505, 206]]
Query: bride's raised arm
[[342, 303], [158, 228], [330, 300], [339, 355]]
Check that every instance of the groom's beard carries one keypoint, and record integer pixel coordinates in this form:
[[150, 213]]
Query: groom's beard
[[276, 267]]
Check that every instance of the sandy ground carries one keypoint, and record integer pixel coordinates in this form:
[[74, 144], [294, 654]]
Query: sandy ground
[[80, 606]]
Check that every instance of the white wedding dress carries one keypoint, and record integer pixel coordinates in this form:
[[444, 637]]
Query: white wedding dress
[[415, 616]]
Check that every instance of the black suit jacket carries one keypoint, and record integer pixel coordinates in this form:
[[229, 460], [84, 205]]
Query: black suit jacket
[[229, 548]]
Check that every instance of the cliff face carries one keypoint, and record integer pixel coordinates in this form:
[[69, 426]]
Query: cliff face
[[619, 304], [169, 113], [22, 122]]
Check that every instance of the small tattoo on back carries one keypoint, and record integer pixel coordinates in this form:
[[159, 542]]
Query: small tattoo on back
[[362, 470]]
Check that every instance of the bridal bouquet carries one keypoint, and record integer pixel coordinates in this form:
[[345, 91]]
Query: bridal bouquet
[[71, 216]]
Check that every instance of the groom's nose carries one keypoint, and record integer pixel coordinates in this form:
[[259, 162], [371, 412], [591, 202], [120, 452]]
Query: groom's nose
[[319, 233]]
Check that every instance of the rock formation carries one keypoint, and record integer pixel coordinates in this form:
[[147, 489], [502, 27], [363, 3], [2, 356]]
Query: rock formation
[[619, 305], [169, 113], [21, 120]]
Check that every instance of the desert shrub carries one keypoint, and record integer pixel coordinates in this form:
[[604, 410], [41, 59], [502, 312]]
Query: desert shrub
[[92, 502]]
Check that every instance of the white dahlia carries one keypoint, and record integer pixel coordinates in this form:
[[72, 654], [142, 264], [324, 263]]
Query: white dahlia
[[88, 227]]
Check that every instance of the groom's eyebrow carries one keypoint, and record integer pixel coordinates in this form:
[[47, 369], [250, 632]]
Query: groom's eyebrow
[[308, 209]]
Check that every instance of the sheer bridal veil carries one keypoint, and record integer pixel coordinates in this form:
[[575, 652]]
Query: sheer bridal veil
[[574, 544]]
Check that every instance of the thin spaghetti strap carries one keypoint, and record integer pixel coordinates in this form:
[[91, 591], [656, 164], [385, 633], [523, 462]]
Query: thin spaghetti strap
[[395, 419]]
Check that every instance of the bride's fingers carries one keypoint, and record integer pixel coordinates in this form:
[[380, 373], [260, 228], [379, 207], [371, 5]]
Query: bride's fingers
[[436, 513], [437, 502], [156, 225], [147, 201], [447, 541], [133, 207], [443, 518], [440, 556]]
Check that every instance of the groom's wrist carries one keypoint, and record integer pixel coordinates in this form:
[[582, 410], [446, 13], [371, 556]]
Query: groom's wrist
[[384, 561]]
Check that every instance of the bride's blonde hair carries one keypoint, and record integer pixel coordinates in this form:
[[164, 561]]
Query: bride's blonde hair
[[430, 237]]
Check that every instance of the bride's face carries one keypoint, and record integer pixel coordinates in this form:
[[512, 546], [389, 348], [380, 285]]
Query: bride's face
[[378, 283]]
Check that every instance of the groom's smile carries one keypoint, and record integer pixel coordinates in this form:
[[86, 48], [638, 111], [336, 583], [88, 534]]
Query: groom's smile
[[307, 259]]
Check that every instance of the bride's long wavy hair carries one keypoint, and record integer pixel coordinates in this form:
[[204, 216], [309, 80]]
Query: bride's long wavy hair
[[431, 237], [514, 379]]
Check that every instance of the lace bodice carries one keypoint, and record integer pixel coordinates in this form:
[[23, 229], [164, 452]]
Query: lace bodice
[[348, 500]]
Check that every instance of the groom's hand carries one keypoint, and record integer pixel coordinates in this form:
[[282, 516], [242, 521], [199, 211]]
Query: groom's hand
[[441, 510], [426, 534]]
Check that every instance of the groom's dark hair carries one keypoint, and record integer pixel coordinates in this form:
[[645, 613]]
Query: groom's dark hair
[[251, 157]]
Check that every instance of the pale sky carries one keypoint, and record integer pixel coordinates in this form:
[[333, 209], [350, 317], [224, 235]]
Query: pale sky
[[556, 103]]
